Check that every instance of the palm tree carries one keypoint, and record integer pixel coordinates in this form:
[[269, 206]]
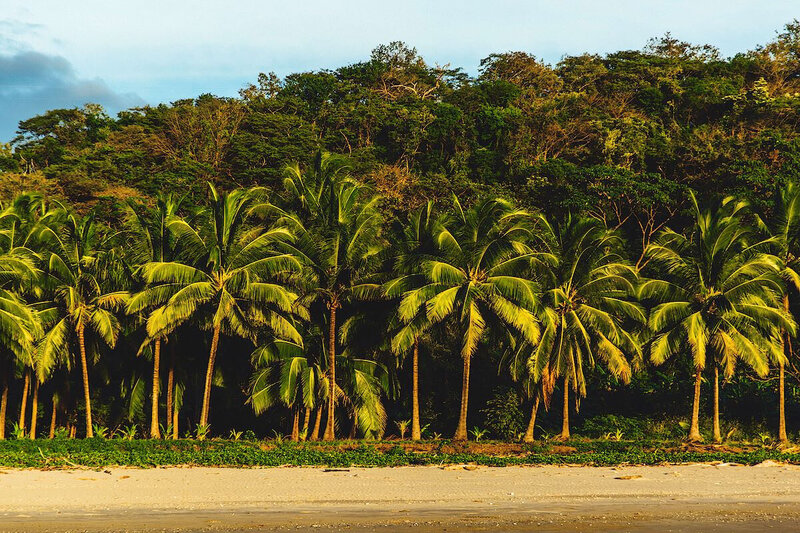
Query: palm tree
[[76, 272], [479, 279], [414, 244], [337, 229], [150, 241], [785, 233], [717, 296], [18, 330], [228, 278], [587, 310], [515, 361]]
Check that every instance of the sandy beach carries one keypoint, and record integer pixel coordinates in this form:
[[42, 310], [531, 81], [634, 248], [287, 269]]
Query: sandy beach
[[663, 498]]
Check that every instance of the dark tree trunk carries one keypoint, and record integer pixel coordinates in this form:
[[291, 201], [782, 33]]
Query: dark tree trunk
[[155, 431], [86, 397], [330, 423], [532, 422], [416, 432], [209, 377], [694, 429], [565, 416], [461, 430]]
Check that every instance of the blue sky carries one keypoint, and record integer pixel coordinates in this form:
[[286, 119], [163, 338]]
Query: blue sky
[[121, 54]]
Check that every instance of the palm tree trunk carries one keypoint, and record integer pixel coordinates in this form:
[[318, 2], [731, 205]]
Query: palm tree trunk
[[354, 427], [565, 417], [694, 429], [306, 421], [330, 423], [461, 430], [416, 432], [23, 408], [209, 377], [34, 407], [175, 413], [53, 415], [781, 405], [787, 350], [170, 384], [529, 432], [717, 433], [3, 401], [85, 369], [295, 424], [155, 432], [317, 423]]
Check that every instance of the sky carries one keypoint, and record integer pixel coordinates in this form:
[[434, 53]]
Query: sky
[[123, 54]]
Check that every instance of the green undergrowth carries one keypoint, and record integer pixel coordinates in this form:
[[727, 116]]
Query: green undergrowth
[[97, 453]]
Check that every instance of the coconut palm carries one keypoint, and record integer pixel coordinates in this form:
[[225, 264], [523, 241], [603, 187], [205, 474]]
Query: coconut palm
[[587, 308], [479, 278], [718, 298], [784, 228], [76, 272], [149, 240], [515, 362], [337, 229], [414, 243], [228, 278]]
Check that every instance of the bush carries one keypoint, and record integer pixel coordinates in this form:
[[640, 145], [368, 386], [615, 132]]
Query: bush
[[504, 419]]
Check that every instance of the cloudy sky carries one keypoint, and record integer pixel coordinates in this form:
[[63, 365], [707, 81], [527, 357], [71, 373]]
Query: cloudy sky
[[122, 54]]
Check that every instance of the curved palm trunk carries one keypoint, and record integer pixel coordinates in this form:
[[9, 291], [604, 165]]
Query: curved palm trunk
[[209, 377], [565, 417], [317, 422], [85, 369], [330, 423], [23, 408], [416, 432], [170, 385], [694, 429], [532, 422], [34, 407], [461, 430], [155, 432], [717, 433], [3, 401], [53, 415]]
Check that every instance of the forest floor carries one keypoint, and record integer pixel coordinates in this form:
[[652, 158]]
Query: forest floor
[[696, 497], [101, 453]]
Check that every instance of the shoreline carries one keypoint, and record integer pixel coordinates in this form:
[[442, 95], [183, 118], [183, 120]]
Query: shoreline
[[424, 498]]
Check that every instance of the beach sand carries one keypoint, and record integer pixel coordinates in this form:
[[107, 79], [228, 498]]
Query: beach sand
[[656, 498]]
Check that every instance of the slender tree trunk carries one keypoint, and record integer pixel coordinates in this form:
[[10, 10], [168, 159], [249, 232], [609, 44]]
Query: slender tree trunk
[[354, 427], [717, 433], [787, 350], [694, 429], [3, 400], [170, 384], [53, 415], [330, 423], [306, 421], [34, 407], [317, 423], [155, 431], [175, 413], [209, 377], [532, 422], [23, 408], [85, 369], [565, 417], [416, 432], [295, 424], [461, 430]]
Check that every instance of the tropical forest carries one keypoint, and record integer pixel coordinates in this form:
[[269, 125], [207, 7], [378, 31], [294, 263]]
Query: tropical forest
[[606, 248]]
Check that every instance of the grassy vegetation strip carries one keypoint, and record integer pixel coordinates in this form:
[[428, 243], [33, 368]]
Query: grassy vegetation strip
[[142, 453]]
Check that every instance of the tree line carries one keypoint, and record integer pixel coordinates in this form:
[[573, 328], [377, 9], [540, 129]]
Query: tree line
[[329, 297]]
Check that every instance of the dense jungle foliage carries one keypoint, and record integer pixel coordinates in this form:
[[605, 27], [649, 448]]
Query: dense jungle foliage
[[615, 232]]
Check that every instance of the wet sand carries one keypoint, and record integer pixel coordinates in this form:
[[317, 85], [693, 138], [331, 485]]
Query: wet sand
[[661, 498]]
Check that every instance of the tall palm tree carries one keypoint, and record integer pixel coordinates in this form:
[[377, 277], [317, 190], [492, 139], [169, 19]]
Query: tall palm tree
[[76, 271], [337, 229], [415, 242], [18, 327], [229, 278], [784, 228], [149, 240], [587, 308], [717, 296], [515, 362], [479, 278]]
